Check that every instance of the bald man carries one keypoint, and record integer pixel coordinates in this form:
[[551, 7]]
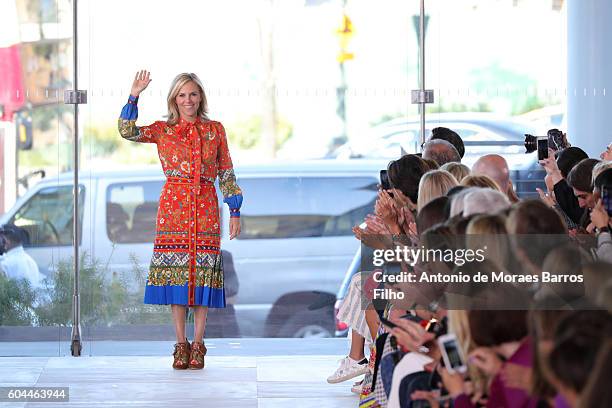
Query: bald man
[[496, 167], [441, 152]]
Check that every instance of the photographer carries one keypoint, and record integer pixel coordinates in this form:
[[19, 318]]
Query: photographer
[[557, 171], [15, 262]]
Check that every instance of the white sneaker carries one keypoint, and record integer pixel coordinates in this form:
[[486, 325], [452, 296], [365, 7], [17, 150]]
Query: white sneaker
[[357, 387], [348, 369]]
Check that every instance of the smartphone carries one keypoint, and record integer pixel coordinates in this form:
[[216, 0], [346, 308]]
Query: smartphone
[[451, 353], [384, 180], [387, 322], [606, 199], [542, 148]]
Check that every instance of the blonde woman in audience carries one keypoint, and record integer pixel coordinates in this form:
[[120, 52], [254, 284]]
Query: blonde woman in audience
[[480, 180], [489, 231], [457, 169], [459, 324], [434, 184]]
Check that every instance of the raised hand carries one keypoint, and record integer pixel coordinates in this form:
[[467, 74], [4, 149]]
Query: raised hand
[[550, 165], [486, 360], [141, 81]]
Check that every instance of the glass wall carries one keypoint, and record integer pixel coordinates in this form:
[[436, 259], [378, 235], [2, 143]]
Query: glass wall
[[37, 128], [315, 99]]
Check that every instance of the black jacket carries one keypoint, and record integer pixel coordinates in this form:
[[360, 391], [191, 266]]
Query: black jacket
[[568, 202]]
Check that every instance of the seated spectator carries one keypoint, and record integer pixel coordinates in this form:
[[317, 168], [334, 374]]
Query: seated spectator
[[490, 231], [480, 180], [496, 167], [597, 392], [501, 337], [604, 297], [434, 184], [458, 170], [578, 339], [405, 174], [596, 275], [15, 262], [566, 259], [457, 199], [535, 230], [441, 152], [431, 164], [450, 136], [434, 212], [484, 201]]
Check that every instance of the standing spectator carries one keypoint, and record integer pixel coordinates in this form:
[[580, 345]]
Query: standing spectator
[[558, 170], [15, 262], [580, 180]]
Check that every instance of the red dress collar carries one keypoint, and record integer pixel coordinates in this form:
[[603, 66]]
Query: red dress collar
[[184, 124]]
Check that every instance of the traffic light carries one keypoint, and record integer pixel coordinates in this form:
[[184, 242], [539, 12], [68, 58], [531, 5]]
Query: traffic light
[[23, 126], [345, 33]]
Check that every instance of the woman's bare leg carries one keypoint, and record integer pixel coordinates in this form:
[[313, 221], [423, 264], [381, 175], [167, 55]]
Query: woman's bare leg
[[357, 343], [372, 321], [200, 313], [178, 316]]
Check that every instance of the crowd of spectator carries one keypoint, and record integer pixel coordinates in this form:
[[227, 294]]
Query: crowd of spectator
[[544, 344]]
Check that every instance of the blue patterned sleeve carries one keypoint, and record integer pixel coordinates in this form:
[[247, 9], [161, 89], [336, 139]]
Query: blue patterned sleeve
[[234, 202], [127, 124]]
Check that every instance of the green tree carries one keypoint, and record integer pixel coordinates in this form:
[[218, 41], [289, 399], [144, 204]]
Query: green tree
[[101, 298], [246, 134], [16, 299]]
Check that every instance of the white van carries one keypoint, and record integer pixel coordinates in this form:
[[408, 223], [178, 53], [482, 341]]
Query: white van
[[295, 246]]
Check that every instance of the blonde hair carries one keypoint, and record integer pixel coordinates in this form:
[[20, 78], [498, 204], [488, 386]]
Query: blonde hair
[[480, 180], [459, 324], [458, 170], [489, 231], [177, 83], [434, 184]]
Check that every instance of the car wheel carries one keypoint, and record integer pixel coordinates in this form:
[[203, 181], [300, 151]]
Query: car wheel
[[307, 325]]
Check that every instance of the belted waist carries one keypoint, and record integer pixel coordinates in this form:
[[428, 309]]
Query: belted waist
[[189, 180]]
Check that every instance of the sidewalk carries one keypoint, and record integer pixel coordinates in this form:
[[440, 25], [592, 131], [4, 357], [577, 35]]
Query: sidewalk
[[261, 373]]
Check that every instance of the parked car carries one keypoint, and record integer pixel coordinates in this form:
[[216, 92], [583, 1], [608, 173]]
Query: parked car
[[290, 258], [482, 133]]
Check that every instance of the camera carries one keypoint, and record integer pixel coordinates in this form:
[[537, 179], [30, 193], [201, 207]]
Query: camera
[[384, 180], [555, 139], [606, 198]]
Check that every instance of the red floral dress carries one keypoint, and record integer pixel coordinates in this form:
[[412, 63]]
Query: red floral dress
[[187, 267]]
